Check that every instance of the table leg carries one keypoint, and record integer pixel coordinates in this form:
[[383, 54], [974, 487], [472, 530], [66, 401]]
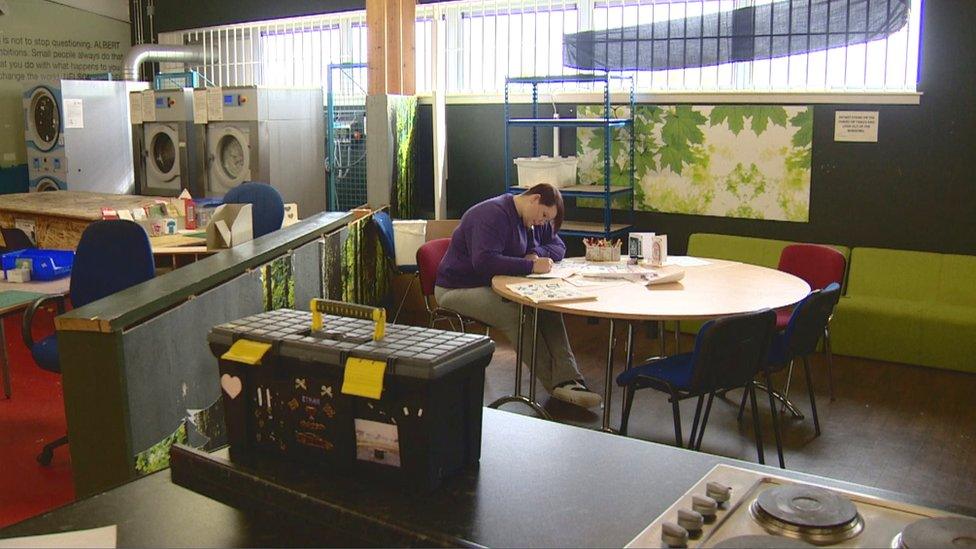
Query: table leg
[[4, 361], [630, 361], [518, 352], [517, 397], [608, 388]]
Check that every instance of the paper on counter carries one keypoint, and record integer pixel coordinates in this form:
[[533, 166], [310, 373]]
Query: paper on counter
[[96, 537], [686, 261]]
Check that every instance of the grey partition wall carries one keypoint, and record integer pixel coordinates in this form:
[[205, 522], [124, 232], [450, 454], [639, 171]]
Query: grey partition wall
[[138, 374]]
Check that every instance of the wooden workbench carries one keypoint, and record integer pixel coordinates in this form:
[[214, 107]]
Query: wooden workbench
[[60, 217]]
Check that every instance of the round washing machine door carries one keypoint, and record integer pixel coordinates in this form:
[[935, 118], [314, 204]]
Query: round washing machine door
[[230, 158], [43, 119], [46, 184], [163, 155]]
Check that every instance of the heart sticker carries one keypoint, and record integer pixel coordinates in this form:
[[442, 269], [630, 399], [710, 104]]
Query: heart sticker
[[231, 385]]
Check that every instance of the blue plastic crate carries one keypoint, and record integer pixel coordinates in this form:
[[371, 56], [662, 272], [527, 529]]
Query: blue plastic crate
[[44, 264]]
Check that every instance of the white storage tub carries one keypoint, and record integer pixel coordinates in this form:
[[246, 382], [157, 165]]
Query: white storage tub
[[559, 171], [408, 236]]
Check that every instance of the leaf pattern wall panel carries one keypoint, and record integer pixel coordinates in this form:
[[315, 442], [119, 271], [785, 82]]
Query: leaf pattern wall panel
[[748, 161]]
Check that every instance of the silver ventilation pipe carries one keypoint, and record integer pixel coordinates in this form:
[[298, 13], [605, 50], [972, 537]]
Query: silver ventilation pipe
[[159, 53]]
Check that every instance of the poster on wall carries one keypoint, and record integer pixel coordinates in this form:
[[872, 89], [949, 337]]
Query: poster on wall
[[745, 161]]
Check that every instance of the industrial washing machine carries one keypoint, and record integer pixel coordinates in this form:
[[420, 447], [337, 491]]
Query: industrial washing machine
[[78, 135], [173, 146], [275, 136]]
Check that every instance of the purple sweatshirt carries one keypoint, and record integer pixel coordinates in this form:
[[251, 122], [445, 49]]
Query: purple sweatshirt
[[492, 240]]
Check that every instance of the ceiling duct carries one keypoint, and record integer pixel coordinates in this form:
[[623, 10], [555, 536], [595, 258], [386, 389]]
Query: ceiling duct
[[159, 53]]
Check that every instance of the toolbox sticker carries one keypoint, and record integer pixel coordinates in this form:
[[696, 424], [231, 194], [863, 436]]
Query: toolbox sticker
[[231, 385], [377, 442], [363, 377]]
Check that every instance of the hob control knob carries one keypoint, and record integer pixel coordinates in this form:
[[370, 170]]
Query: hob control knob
[[706, 506], [719, 492], [691, 521], [673, 535]]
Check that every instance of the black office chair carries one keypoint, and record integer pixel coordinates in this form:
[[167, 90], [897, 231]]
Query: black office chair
[[14, 239], [729, 352], [111, 256], [807, 325]]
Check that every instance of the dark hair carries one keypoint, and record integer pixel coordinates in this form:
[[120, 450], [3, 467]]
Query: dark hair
[[549, 195]]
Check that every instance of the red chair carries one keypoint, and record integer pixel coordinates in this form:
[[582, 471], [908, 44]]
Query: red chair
[[819, 266], [429, 258]]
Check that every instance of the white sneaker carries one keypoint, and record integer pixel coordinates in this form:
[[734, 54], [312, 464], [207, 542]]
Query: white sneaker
[[574, 392]]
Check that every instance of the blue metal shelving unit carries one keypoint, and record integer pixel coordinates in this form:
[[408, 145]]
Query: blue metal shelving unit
[[606, 194]]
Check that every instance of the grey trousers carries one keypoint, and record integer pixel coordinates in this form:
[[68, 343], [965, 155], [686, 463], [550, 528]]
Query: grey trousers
[[555, 362]]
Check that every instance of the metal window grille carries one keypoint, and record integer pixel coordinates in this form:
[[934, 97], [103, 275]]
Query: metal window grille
[[483, 41]]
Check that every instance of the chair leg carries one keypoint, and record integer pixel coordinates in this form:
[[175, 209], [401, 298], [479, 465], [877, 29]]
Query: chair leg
[[628, 402], [755, 423], [676, 410], [742, 403], [813, 399], [776, 429], [403, 300], [701, 430], [786, 388], [830, 361], [47, 454], [694, 423]]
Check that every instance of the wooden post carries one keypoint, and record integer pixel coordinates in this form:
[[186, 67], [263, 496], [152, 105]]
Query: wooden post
[[408, 47], [392, 49], [376, 46]]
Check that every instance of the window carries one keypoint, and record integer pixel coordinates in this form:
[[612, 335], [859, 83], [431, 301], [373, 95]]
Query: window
[[762, 47]]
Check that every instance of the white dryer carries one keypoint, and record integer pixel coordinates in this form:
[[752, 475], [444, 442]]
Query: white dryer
[[172, 145], [78, 135], [275, 136]]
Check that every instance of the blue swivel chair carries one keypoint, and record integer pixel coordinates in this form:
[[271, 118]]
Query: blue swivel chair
[[384, 229], [729, 352], [267, 207], [111, 256], [807, 325]]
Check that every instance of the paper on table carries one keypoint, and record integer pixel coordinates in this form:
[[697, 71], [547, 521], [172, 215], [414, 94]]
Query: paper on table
[[96, 537], [686, 261], [559, 270], [582, 282]]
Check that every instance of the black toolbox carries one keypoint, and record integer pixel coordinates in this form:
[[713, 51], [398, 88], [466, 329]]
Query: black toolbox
[[305, 395]]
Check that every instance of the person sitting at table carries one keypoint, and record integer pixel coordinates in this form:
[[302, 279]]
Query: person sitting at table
[[513, 235]]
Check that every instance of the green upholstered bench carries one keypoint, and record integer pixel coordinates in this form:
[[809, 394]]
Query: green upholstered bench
[[906, 306]]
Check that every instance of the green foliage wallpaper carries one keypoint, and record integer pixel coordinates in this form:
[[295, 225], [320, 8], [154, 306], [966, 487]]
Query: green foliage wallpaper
[[157, 457], [403, 112], [748, 161], [278, 283], [365, 267]]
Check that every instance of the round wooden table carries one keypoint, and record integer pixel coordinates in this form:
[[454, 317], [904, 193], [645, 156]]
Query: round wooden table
[[716, 289]]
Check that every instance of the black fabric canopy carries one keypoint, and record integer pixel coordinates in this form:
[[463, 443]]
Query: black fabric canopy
[[780, 29]]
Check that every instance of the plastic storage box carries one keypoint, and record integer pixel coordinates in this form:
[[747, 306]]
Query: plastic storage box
[[44, 264], [559, 171], [296, 402], [408, 237]]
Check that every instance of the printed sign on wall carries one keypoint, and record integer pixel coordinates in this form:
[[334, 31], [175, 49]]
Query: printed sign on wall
[[750, 161]]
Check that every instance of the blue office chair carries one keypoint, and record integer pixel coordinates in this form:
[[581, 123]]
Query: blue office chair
[[807, 325], [111, 256], [729, 352], [384, 228], [267, 207]]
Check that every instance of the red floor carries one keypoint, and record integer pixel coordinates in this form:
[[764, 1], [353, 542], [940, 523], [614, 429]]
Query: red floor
[[33, 416]]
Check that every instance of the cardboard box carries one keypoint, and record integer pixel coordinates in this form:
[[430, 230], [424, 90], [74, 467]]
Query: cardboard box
[[440, 228], [229, 226]]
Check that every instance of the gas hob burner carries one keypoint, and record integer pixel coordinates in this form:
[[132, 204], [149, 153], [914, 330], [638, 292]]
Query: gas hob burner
[[815, 515], [761, 542], [938, 533]]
